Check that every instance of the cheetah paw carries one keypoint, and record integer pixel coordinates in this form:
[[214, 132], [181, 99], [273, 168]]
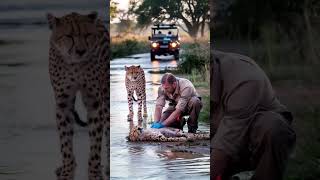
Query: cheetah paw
[[130, 118], [63, 174], [96, 174], [145, 114]]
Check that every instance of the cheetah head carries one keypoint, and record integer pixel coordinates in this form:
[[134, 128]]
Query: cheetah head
[[135, 133], [74, 36], [132, 72]]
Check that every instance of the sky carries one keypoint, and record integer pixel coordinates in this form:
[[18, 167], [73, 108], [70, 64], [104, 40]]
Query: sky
[[123, 4]]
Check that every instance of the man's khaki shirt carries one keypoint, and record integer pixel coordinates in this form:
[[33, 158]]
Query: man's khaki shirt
[[239, 90], [181, 96]]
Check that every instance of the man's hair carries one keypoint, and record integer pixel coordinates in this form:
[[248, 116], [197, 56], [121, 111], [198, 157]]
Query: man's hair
[[169, 78]]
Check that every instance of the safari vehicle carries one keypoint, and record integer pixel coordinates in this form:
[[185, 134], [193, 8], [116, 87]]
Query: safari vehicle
[[164, 40]]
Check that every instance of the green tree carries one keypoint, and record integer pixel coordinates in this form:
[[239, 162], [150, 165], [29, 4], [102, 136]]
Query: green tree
[[245, 17], [192, 13], [126, 24], [113, 9]]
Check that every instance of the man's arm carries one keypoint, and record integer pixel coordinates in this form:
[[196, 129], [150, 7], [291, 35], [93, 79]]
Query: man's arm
[[157, 113], [174, 115], [160, 103], [186, 94], [240, 106]]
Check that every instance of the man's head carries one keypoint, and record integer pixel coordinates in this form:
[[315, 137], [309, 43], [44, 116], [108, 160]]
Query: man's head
[[169, 83]]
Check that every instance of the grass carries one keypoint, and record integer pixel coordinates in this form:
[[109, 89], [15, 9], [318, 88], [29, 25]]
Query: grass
[[195, 65], [305, 164], [122, 47], [205, 112]]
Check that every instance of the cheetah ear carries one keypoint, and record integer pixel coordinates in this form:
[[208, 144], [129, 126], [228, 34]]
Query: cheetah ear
[[126, 68], [93, 16], [52, 20]]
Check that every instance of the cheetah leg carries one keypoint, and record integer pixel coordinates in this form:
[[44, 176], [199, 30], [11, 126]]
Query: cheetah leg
[[65, 119], [130, 103], [140, 107], [96, 122], [145, 114]]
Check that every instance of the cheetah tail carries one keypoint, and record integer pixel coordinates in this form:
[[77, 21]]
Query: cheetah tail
[[78, 120], [134, 98]]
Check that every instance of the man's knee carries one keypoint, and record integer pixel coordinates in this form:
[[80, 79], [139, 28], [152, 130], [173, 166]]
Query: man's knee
[[273, 129], [195, 102]]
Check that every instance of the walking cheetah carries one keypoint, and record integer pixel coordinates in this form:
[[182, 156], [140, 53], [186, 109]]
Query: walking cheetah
[[135, 82], [79, 61]]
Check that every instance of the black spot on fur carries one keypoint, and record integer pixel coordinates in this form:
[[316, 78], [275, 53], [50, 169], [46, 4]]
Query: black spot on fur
[[96, 104], [65, 95], [99, 129], [62, 105], [68, 120], [96, 157], [59, 116]]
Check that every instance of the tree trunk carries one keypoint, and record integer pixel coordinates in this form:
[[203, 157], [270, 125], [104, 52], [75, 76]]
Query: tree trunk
[[203, 23], [193, 32]]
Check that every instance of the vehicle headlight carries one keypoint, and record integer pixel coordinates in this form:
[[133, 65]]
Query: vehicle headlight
[[174, 44], [154, 44]]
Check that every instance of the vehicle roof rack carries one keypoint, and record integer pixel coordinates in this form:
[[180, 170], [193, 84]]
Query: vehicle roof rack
[[164, 26]]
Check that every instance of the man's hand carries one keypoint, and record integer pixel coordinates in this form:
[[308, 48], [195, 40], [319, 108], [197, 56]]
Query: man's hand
[[157, 125]]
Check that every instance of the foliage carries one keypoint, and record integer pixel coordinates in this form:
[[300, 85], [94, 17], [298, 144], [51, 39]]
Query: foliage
[[195, 57], [113, 9], [245, 17], [194, 14], [122, 47]]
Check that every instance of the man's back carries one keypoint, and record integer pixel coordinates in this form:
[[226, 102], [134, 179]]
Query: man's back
[[240, 91], [250, 129], [237, 70]]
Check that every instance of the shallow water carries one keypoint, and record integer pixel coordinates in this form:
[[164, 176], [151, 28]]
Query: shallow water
[[132, 160]]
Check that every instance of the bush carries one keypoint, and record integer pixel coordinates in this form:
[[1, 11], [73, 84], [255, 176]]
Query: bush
[[125, 47], [195, 57]]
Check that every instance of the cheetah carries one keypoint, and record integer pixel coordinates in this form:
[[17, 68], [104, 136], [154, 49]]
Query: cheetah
[[79, 62], [166, 134], [135, 82]]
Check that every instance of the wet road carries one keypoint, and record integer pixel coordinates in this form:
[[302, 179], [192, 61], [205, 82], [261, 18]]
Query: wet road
[[131, 160]]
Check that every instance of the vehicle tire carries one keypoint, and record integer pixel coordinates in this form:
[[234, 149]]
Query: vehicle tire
[[152, 56], [176, 56]]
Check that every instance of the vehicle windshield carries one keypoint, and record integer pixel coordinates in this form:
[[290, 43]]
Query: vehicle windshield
[[165, 32]]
